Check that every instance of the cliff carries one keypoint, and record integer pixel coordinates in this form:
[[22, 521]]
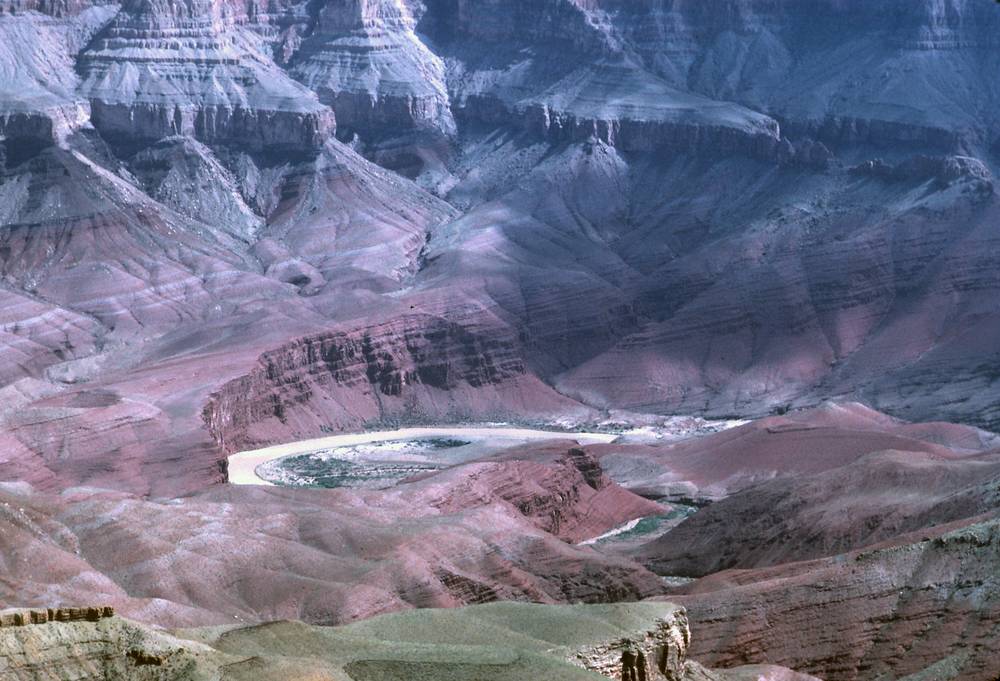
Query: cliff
[[364, 59], [416, 367], [916, 589], [161, 69]]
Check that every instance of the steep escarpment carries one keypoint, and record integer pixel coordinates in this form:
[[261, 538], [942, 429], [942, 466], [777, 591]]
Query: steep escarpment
[[415, 367], [793, 447], [635, 130], [659, 653], [563, 492], [570, 23], [561, 71], [364, 59], [54, 8], [38, 102], [500, 641], [586, 138], [445, 540], [835, 327], [775, 57], [938, 594], [727, 208], [90, 644], [162, 69]]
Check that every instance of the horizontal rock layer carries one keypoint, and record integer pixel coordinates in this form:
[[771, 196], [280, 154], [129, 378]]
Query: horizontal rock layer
[[938, 595], [413, 368], [161, 69]]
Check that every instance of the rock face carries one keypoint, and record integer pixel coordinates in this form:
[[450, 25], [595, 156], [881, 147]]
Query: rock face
[[875, 498], [96, 648], [473, 533], [780, 449], [945, 170], [364, 59], [730, 208], [183, 174], [38, 100], [657, 654], [165, 68], [770, 55], [564, 493], [565, 223], [386, 372], [939, 592], [558, 69], [28, 617]]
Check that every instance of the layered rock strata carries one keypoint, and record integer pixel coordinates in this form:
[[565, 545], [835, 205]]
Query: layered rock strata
[[655, 655], [383, 373], [929, 608], [500, 641], [364, 59], [21, 618], [162, 69]]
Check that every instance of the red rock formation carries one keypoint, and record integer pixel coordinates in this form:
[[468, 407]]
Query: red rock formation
[[379, 374], [877, 497], [566, 494], [795, 445], [930, 606], [479, 532]]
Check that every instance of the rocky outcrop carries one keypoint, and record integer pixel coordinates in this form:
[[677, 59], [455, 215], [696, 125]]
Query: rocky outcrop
[[491, 641], [806, 517], [661, 654], [54, 8], [558, 23], [39, 105], [926, 605], [945, 170], [411, 368], [96, 648], [364, 59], [183, 174], [23, 135], [628, 134], [766, 54], [20, 618], [849, 131], [562, 492], [321, 556], [655, 655], [163, 68]]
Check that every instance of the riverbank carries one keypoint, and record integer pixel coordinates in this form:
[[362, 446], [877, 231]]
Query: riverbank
[[243, 465]]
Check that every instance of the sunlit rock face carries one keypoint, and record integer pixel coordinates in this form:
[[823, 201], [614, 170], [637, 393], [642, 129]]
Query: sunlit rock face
[[184, 68]]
